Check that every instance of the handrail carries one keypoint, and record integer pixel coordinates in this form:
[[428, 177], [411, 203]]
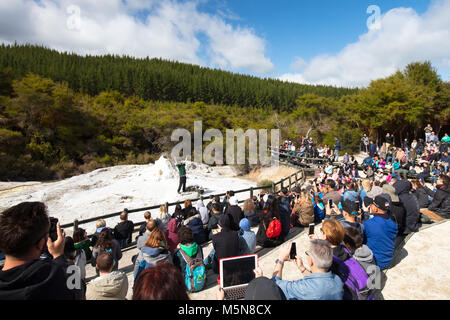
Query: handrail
[[76, 222]]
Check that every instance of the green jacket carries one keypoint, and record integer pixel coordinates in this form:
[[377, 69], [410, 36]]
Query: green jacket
[[86, 246], [181, 169]]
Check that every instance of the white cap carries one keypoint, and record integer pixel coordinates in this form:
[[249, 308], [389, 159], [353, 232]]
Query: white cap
[[234, 201]]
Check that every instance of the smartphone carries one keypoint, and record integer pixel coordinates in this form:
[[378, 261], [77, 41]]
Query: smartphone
[[293, 252], [311, 229], [330, 202]]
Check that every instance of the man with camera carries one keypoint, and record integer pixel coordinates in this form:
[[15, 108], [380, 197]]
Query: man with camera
[[25, 233]]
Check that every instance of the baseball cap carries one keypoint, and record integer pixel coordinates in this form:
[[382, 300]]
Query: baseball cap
[[379, 202], [350, 206]]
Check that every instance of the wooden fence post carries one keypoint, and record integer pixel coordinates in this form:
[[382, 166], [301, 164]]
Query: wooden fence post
[[273, 187], [296, 179], [167, 207], [75, 225], [290, 184], [251, 192]]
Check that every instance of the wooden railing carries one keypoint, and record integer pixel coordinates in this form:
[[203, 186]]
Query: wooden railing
[[292, 181]]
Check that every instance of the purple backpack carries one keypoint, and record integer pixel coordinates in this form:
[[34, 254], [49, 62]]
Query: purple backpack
[[354, 277]]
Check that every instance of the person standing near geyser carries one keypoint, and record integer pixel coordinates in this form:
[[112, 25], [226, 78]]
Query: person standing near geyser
[[182, 171]]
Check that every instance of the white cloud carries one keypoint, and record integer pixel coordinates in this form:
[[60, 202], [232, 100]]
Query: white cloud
[[403, 37], [169, 29]]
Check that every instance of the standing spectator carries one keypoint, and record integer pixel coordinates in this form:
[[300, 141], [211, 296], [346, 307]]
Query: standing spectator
[[110, 285], [337, 147], [365, 142], [106, 243], [317, 284], [235, 212], [428, 130], [124, 230], [389, 141], [249, 244], [372, 149], [23, 235], [225, 242], [163, 218], [380, 231], [412, 156], [163, 282]]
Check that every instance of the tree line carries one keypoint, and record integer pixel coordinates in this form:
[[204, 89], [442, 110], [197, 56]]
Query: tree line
[[157, 79]]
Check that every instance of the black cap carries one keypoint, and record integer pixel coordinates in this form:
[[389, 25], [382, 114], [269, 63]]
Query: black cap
[[379, 202], [263, 288], [350, 206]]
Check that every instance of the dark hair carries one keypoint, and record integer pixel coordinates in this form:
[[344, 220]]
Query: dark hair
[[185, 235], [104, 261], [151, 225], [231, 193], [162, 282], [105, 239], [352, 238], [331, 183], [69, 248], [23, 226], [445, 179], [217, 207], [124, 215], [78, 235], [217, 198], [284, 190]]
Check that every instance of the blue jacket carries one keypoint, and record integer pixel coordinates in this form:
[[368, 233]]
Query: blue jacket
[[249, 238], [380, 234], [316, 286]]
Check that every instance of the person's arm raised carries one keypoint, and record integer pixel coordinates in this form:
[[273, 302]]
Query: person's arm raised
[[56, 248]]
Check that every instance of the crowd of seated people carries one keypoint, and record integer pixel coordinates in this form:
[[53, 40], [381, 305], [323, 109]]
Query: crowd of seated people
[[361, 218]]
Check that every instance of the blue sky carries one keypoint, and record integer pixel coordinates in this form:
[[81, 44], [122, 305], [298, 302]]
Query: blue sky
[[316, 42]]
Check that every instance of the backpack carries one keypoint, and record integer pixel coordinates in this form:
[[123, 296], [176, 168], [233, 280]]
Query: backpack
[[274, 228], [354, 277], [195, 273]]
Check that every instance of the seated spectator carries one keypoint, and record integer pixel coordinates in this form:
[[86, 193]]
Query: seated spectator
[[422, 193], [149, 227], [214, 220], [124, 230], [248, 245], [225, 242], [193, 221], [23, 235], [106, 243], [398, 212], [303, 210], [162, 282], [440, 205], [425, 174], [235, 212], [331, 192], [188, 209], [178, 211], [333, 231], [172, 232], [365, 187], [350, 212], [154, 250], [143, 227], [318, 283], [109, 285], [380, 231], [203, 211], [82, 241], [269, 212], [411, 205], [285, 212], [99, 226], [187, 246], [350, 192], [163, 218], [76, 257], [250, 212], [360, 252]]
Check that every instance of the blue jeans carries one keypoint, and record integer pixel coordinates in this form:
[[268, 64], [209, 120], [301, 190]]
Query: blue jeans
[[210, 257], [336, 155]]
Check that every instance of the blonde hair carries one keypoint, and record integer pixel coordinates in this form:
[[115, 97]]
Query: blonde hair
[[100, 223], [366, 184], [162, 212]]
